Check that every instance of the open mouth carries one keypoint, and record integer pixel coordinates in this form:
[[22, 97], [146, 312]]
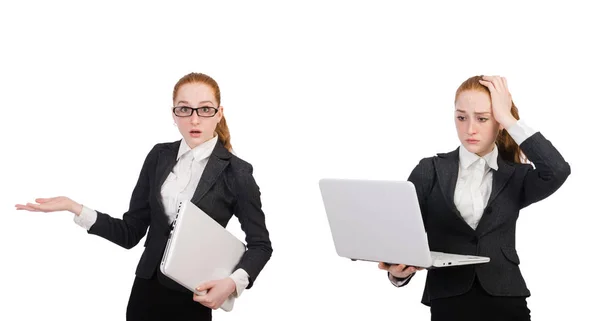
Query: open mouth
[[195, 133]]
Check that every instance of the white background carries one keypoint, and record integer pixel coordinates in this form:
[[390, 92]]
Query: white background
[[337, 89]]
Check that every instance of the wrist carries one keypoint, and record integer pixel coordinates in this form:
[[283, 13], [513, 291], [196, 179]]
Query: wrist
[[507, 121], [76, 208], [232, 286]]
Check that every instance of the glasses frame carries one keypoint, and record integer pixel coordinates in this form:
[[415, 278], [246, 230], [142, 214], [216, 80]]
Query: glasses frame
[[197, 110]]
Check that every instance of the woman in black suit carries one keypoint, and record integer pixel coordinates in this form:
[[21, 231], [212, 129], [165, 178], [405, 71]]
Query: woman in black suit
[[470, 200], [200, 167]]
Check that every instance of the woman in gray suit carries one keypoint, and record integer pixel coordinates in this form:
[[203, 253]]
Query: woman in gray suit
[[470, 200]]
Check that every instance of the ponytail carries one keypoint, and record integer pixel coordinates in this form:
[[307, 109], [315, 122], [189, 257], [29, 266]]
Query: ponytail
[[508, 149], [223, 131]]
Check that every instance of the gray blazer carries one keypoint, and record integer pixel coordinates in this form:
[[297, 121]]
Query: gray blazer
[[514, 187]]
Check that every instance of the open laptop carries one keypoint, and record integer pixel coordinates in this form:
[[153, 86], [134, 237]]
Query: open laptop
[[380, 221], [199, 250]]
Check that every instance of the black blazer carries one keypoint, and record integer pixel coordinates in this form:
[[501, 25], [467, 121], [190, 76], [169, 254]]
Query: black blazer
[[514, 187], [226, 188]]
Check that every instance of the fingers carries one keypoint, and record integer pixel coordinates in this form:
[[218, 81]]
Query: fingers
[[34, 206], [403, 271], [206, 286], [500, 83], [207, 301], [21, 207], [399, 270], [202, 294], [52, 204], [488, 84], [204, 299], [495, 82], [409, 270], [37, 207]]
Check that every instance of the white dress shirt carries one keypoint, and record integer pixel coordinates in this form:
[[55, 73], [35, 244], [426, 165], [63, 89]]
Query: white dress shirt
[[474, 182], [180, 186]]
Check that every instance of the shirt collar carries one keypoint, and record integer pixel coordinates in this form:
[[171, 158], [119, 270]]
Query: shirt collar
[[467, 158], [201, 151]]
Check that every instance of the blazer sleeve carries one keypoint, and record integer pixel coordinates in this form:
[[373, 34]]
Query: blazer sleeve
[[422, 177], [551, 170], [128, 232], [248, 209]]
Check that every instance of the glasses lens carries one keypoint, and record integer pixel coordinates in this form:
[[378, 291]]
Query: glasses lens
[[207, 111], [182, 111]]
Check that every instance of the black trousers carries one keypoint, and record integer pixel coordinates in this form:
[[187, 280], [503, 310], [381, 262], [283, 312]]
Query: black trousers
[[150, 300], [479, 305]]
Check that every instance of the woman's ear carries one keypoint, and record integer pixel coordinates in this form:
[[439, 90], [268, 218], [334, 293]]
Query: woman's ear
[[220, 114], [174, 119]]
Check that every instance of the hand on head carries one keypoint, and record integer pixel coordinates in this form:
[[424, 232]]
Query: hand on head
[[501, 99]]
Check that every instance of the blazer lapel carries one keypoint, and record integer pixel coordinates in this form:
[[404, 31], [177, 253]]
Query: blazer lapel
[[217, 162], [446, 168], [499, 180], [167, 159]]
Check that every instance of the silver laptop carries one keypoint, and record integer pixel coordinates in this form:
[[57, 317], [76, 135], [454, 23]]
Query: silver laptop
[[199, 250], [381, 221]]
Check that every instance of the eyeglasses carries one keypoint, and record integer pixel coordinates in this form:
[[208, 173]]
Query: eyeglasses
[[185, 111]]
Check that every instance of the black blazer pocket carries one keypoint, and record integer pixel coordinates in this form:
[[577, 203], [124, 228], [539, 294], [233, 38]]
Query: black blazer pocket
[[511, 254]]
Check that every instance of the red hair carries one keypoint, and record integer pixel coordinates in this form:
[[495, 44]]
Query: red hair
[[222, 130], [508, 149]]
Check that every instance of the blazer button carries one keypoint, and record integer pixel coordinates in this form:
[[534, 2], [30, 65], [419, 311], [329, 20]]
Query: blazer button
[[475, 240]]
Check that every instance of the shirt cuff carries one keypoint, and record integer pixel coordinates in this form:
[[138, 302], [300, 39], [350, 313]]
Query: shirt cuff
[[519, 131], [396, 281], [241, 279], [86, 218]]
